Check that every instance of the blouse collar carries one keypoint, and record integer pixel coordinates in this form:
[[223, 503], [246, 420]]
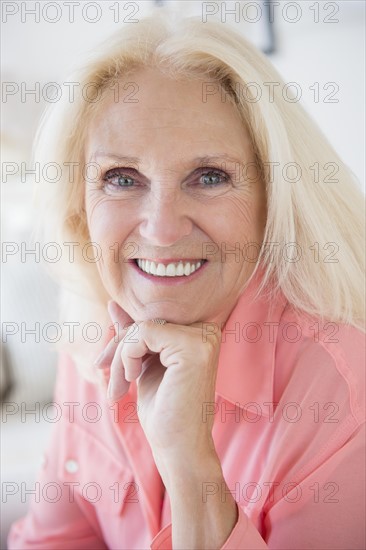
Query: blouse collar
[[245, 373]]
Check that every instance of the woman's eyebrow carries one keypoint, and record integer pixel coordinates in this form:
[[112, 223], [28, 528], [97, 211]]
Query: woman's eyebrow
[[198, 161]]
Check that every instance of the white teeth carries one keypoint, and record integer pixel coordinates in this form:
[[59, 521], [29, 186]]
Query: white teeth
[[170, 270], [152, 268], [179, 271]]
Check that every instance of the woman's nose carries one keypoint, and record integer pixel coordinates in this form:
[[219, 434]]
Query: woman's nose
[[166, 218]]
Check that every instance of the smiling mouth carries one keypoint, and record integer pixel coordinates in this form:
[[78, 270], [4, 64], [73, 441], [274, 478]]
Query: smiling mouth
[[173, 269]]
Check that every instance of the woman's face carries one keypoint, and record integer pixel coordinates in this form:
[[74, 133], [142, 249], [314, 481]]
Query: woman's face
[[175, 189]]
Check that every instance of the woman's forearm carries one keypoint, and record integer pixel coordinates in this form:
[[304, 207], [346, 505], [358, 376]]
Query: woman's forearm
[[203, 510]]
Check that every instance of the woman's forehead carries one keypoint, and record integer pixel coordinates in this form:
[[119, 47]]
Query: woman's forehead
[[165, 110], [153, 91]]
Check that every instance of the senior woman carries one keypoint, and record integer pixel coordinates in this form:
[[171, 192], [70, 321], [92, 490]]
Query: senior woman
[[227, 276]]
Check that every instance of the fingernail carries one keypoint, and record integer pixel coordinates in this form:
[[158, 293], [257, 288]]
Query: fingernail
[[110, 306], [98, 361], [110, 395]]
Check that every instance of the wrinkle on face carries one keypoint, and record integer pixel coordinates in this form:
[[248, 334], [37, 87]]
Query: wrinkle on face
[[168, 215]]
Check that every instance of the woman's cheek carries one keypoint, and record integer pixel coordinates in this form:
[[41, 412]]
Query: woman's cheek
[[100, 216], [104, 235]]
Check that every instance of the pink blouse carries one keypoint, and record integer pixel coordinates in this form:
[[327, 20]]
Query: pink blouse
[[288, 429]]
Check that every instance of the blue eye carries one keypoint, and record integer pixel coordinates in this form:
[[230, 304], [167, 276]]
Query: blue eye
[[124, 181], [213, 178], [118, 179]]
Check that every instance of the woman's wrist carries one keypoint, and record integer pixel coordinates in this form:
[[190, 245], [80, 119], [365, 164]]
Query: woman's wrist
[[182, 466], [203, 509]]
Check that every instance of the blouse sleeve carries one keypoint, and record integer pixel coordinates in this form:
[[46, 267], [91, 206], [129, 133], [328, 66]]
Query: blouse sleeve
[[335, 500], [244, 536], [57, 520], [333, 514], [54, 523]]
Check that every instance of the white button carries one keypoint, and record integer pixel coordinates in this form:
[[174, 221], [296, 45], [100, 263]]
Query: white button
[[71, 466]]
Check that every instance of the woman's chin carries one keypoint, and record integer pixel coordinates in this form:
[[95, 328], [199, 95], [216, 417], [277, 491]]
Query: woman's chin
[[166, 312]]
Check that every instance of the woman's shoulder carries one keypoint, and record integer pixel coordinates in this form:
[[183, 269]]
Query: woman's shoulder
[[323, 359]]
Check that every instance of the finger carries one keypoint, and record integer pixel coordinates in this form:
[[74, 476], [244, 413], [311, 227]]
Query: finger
[[118, 385], [121, 321], [104, 360], [133, 352], [173, 343], [120, 318], [120, 377], [103, 377]]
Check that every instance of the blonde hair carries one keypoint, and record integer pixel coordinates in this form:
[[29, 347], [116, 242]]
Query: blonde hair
[[324, 218]]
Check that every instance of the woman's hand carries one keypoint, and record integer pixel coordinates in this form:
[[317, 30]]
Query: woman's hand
[[175, 367]]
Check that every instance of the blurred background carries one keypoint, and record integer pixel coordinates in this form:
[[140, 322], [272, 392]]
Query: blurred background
[[320, 46]]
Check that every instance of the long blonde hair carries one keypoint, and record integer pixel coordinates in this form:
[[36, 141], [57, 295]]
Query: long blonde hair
[[315, 219]]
